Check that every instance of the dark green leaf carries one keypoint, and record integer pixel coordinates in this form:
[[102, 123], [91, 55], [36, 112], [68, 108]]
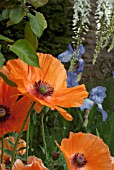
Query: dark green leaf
[[11, 144], [23, 49], [37, 23], [8, 152], [16, 15], [2, 59], [37, 3], [9, 82], [20, 157], [5, 14], [30, 36], [3, 38]]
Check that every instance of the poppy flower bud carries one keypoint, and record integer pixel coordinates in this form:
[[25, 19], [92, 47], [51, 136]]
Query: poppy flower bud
[[55, 156]]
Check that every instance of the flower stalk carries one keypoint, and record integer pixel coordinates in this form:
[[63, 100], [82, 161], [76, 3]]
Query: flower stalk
[[19, 135], [43, 134], [2, 154]]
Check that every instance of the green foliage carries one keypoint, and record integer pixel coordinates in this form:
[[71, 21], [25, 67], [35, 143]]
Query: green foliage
[[9, 82], [38, 3], [23, 49], [30, 36], [37, 23], [19, 16]]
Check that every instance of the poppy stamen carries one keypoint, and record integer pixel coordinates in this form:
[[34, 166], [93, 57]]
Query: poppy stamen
[[4, 113], [78, 160], [43, 89]]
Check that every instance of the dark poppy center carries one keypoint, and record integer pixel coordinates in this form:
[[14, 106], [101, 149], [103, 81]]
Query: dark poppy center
[[4, 113], [78, 160], [43, 88]]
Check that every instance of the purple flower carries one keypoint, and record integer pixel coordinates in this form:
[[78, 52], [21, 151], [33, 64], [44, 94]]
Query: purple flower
[[81, 50], [71, 79], [81, 66], [112, 74], [68, 54], [97, 96]]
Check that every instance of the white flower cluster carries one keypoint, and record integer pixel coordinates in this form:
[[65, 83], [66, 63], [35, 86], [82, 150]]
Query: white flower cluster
[[103, 13], [80, 20]]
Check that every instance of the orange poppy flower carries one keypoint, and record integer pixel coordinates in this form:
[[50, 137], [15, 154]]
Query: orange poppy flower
[[12, 112], [33, 163], [85, 152], [45, 85], [112, 158], [21, 144]]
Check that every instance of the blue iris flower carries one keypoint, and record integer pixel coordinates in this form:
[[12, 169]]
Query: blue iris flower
[[97, 96], [71, 79], [68, 54], [112, 74], [66, 57], [81, 50]]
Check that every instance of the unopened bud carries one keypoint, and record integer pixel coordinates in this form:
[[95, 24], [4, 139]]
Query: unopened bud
[[55, 156]]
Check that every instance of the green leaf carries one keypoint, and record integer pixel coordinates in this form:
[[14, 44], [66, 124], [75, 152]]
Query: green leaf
[[41, 19], [16, 15], [11, 144], [2, 59], [6, 39], [8, 152], [37, 3], [19, 156], [5, 14], [38, 23], [9, 82], [23, 49], [30, 36]]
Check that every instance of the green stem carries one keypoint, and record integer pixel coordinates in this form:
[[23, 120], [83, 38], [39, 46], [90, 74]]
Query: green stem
[[19, 135], [2, 154], [27, 142], [52, 166], [43, 134]]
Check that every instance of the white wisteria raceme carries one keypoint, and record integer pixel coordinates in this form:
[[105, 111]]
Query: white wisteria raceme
[[103, 13], [80, 17]]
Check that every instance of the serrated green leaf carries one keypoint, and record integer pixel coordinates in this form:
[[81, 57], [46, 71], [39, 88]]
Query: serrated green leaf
[[37, 23], [23, 49], [3, 38], [10, 143], [37, 3], [5, 14], [30, 36], [8, 152], [2, 59], [18, 156], [16, 15], [9, 82]]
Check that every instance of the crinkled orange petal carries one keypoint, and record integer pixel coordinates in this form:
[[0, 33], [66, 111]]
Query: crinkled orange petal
[[92, 147], [18, 165], [16, 118], [20, 111], [52, 71], [8, 94], [33, 163], [70, 97], [38, 107], [64, 113]]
